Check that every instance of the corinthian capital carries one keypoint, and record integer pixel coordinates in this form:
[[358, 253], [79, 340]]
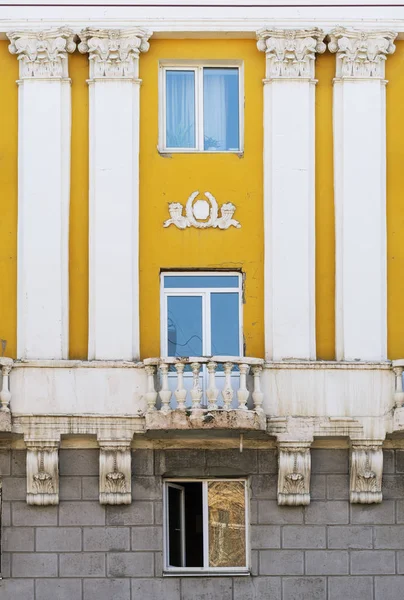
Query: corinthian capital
[[114, 52], [42, 54], [361, 54], [290, 53]]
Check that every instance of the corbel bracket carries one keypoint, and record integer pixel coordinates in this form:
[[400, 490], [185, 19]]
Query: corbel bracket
[[115, 471]]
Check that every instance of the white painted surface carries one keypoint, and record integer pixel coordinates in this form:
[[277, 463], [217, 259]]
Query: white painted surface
[[360, 194], [77, 391], [43, 218], [114, 206]]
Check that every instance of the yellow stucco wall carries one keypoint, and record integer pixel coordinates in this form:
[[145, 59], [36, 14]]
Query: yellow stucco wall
[[395, 202], [78, 243], [325, 238], [8, 199], [227, 177]]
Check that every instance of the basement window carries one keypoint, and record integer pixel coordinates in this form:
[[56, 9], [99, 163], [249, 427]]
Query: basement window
[[205, 526]]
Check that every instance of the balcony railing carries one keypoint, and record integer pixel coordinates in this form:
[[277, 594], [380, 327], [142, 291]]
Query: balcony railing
[[198, 383]]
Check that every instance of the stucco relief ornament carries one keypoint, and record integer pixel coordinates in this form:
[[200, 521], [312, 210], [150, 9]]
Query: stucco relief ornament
[[361, 54], [294, 474], [202, 213], [366, 467], [42, 54], [113, 52], [290, 53]]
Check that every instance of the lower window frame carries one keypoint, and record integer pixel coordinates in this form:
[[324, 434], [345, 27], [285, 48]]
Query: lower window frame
[[205, 570]]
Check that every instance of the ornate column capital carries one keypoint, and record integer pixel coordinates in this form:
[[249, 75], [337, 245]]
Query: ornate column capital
[[114, 53], [361, 54], [42, 54], [290, 53]]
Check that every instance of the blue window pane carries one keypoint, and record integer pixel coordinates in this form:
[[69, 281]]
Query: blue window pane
[[225, 324], [184, 327], [180, 109], [221, 109], [201, 281]]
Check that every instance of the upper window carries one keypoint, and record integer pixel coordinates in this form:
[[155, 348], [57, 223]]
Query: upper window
[[201, 108]]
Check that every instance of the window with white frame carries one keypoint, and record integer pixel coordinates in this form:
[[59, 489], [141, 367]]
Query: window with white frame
[[201, 314], [206, 526], [201, 107]]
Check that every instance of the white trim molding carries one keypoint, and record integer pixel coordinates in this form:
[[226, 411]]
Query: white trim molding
[[44, 116], [294, 464], [366, 470], [114, 190], [42, 471], [115, 471], [289, 167], [360, 192]]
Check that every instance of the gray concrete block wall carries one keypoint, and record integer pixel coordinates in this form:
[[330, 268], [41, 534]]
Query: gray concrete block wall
[[330, 550]]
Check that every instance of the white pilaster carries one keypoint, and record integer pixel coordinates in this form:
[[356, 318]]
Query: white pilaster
[[360, 192], [44, 116], [114, 191], [289, 95]]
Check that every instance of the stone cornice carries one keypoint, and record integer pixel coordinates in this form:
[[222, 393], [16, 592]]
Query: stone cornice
[[361, 54], [114, 53], [290, 53], [42, 54]]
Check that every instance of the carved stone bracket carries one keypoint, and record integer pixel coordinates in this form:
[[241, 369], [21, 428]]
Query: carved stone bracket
[[42, 54], [202, 213], [361, 54], [114, 53], [294, 465], [366, 469], [115, 471], [42, 472], [290, 53]]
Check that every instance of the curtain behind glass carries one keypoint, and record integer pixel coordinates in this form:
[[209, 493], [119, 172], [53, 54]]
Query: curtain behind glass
[[180, 109], [221, 109]]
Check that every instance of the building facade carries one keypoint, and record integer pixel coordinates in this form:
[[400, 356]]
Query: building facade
[[201, 291]]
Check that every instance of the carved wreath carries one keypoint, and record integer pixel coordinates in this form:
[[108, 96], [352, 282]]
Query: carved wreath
[[210, 207]]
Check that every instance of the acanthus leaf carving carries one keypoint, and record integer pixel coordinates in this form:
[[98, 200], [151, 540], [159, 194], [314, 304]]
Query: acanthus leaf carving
[[202, 214], [294, 473], [115, 472], [114, 53], [366, 468], [42, 472], [42, 54], [290, 53], [361, 54]]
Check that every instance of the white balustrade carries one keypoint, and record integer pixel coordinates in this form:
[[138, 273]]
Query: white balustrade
[[199, 383], [5, 394]]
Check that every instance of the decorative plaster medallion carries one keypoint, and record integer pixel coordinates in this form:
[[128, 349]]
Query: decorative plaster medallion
[[202, 213]]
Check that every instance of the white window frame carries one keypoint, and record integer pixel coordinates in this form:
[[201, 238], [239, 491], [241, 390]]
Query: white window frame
[[205, 292], [197, 66], [192, 571]]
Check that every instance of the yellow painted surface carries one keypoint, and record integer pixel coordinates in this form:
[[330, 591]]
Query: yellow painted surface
[[325, 237], [395, 202], [228, 177], [78, 249], [8, 198]]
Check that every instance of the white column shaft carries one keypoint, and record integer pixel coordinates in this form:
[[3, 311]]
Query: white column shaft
[[114, 208], [289, 219], [360, 203]]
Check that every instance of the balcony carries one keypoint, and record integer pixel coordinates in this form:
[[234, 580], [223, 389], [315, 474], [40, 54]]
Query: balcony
[[206, 393]]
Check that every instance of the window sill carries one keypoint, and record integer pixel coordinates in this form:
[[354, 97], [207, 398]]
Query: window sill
[[165, 152], [207, 573]]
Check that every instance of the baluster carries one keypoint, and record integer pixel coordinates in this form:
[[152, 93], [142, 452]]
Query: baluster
[[151, 394], [227, 392], [212, 392], [180, 393], [257, 395], [5, 394], [399, 394], [243, 393], [196, 392], [165, 393]]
